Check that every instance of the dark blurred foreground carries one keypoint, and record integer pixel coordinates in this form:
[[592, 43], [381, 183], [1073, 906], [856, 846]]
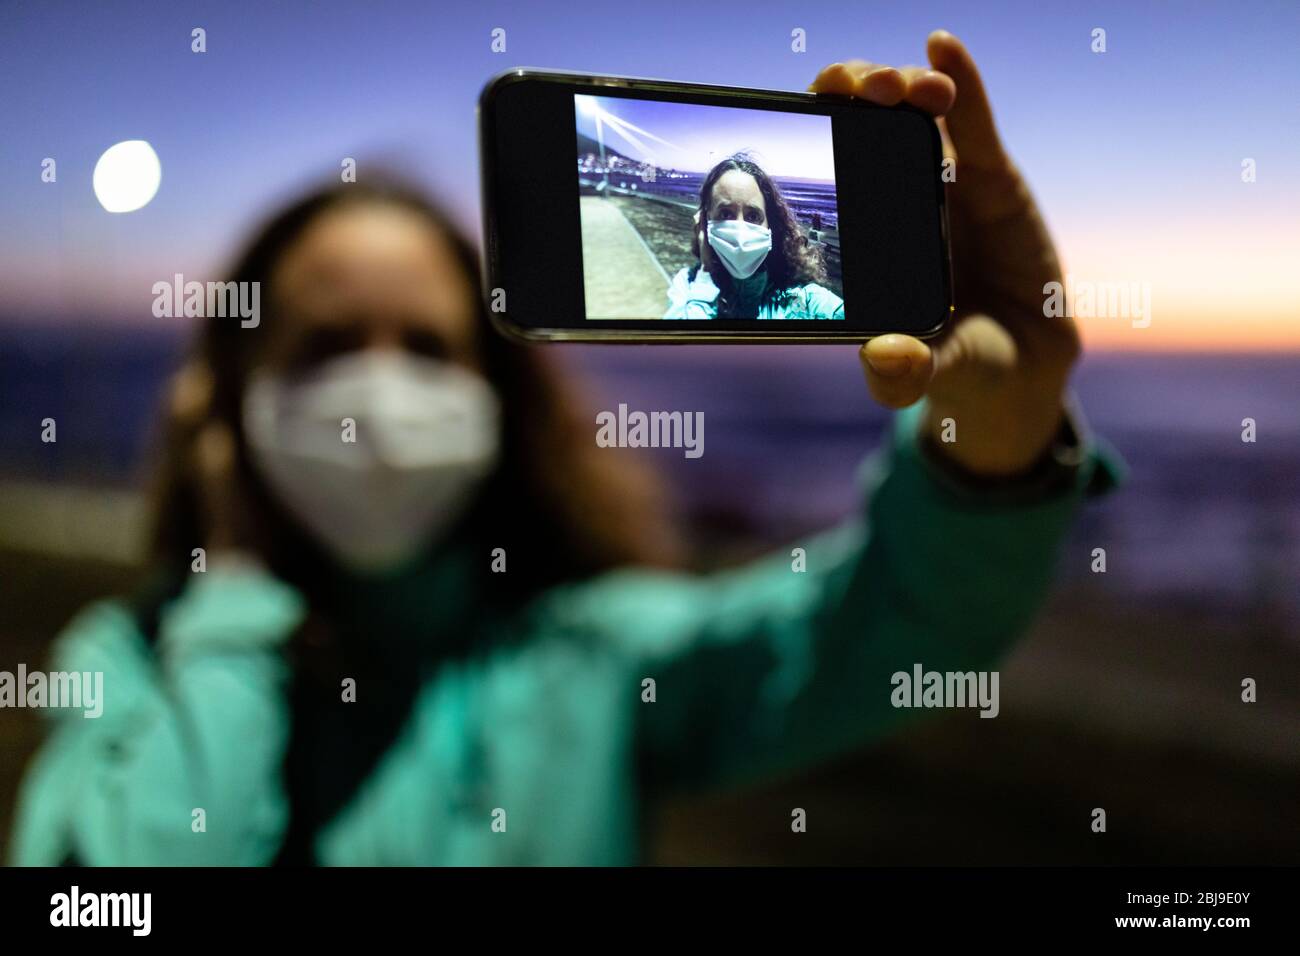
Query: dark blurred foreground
[[1126, 695], [1121, 707]]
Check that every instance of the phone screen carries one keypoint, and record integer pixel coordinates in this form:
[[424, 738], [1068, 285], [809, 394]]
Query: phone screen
[[692, 211], [642, 209]]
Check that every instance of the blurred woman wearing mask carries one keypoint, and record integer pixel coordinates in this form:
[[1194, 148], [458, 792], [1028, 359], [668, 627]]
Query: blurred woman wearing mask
[[429, 629]]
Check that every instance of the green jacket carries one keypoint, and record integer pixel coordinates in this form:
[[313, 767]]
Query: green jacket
[[540, 745]]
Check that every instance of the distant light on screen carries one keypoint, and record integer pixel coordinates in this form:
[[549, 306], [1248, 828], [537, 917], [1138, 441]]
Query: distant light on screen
[[127, 176]]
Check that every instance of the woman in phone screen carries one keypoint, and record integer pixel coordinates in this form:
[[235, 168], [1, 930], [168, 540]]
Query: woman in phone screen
[[754, 259]]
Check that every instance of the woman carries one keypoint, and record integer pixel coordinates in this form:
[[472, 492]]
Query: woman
[[754, 262], [415, 632]]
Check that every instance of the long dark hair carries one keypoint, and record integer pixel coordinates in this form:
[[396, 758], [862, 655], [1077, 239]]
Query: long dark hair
[[562, 507], [792, 261]]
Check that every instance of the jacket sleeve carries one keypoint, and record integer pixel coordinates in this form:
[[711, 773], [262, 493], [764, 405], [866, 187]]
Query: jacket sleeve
[[200, 724], [771, 667], [822, 303], [689, 299]]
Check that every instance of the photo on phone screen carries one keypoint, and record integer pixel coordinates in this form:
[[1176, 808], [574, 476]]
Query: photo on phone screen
[[698, 212], [618, 209]]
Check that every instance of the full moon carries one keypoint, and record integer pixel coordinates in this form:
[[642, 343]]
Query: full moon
[[127, 176]]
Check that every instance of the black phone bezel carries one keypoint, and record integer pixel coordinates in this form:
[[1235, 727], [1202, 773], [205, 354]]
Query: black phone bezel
[[580, 328]]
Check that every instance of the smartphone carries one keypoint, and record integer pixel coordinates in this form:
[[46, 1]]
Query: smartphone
[[633, 210]]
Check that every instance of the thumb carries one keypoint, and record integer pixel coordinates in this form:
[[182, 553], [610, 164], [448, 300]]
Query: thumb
[[970, 121], [898, 369]]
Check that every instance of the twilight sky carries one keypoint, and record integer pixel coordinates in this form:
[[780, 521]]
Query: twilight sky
[[1134, 153], [691, 137]]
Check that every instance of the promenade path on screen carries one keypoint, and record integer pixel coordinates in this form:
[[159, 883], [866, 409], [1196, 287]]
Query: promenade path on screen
[[621, 277]]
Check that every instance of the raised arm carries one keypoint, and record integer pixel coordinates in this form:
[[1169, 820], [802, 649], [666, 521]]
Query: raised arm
[[770, 667]]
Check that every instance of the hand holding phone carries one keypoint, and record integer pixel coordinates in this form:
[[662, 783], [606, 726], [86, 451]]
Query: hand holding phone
[[702, 213], [998, 371]]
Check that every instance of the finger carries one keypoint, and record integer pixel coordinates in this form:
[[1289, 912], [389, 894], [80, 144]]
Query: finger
[[835, 78], [843, 76], [878, 84], [862, 78], [898, 369], [928, 89], [970, 121]]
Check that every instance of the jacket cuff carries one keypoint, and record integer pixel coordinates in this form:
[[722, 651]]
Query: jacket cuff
[[1077, 463]]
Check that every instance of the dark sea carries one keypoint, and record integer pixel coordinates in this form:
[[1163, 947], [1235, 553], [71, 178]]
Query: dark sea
[[1201, 512], [807, 197]]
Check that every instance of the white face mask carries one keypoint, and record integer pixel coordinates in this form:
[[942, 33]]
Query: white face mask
[[426, 433], [742, 246]]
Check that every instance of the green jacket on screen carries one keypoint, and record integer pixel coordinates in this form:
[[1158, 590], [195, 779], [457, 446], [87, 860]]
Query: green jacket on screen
[[692, 294], [539, 746]]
